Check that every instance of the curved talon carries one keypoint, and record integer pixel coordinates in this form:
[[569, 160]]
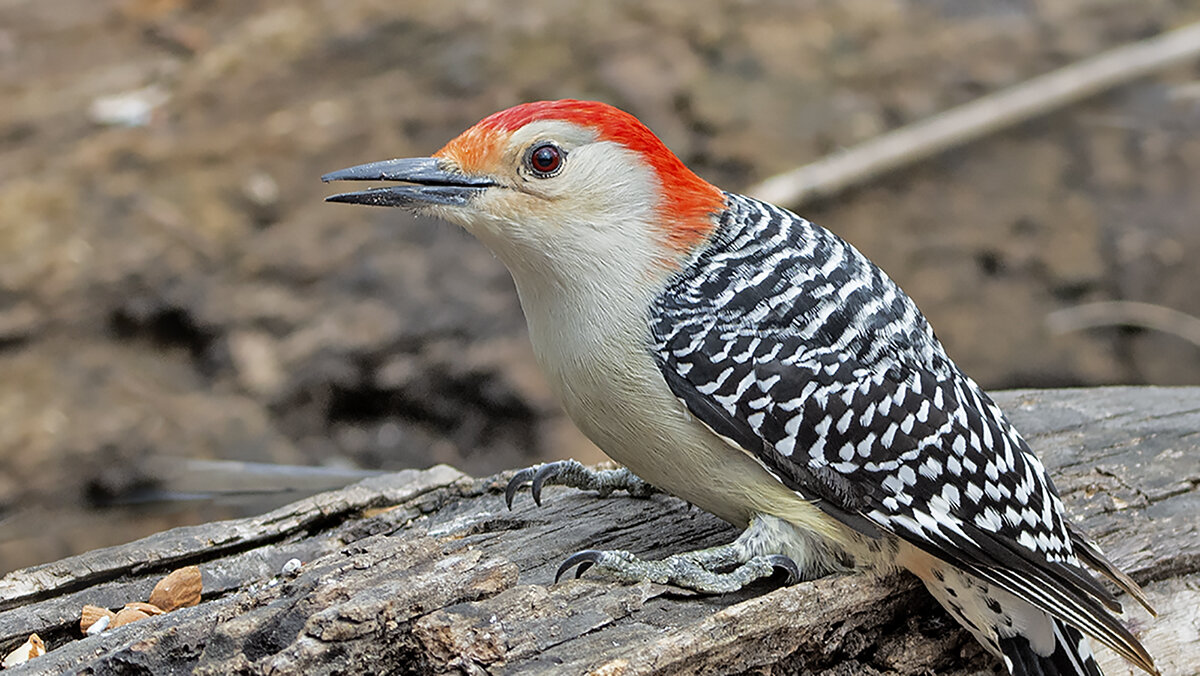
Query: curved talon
[[514, 484], [539, 479], [585, 559], [787, 565]]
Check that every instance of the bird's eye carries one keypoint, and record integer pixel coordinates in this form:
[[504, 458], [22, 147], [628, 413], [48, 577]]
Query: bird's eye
[[545, 160]]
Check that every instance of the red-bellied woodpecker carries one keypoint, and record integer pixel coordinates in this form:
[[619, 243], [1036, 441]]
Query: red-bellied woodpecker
[[754, 364]]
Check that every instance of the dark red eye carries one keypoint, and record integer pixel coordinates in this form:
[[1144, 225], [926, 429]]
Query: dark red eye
[[545, 159]]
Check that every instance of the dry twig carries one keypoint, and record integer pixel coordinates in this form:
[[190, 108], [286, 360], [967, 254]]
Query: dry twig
[[915, 142], [1125, 313]]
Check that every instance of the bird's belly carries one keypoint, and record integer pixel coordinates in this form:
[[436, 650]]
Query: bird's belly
[[662, 445], [630, 413]]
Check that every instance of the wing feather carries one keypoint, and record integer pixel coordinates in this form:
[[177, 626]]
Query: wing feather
[[791, 345], [887, 489]]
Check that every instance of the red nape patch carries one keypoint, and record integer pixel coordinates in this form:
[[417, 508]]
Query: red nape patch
[[689, 201]]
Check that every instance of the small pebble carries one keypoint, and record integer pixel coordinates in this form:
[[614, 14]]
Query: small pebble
[[99, 626], [292, 567]]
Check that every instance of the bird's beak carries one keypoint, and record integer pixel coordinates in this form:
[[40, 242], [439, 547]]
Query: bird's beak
[[430, 184]]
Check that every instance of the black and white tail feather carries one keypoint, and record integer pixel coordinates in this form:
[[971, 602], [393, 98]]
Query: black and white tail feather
[[790, 344], [1072, 655]]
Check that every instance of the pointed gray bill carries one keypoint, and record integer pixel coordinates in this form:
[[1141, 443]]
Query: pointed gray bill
[[430, 184]]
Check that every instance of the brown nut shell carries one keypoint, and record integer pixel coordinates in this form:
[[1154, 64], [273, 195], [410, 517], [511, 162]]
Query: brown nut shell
[[180, 589], [91, 614], [148, 608], [127, 615]]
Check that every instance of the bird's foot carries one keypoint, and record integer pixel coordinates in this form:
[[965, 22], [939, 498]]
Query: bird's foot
[[680, 570], [717, 570], [576, 475]]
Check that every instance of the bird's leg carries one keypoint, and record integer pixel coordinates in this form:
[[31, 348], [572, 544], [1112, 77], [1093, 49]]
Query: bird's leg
[[577, 475], [717, 570]]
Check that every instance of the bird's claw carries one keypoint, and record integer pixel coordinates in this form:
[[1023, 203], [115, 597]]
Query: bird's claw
[[584, 559], [539, 479], [787, 566], [520, 479], [536, 476]]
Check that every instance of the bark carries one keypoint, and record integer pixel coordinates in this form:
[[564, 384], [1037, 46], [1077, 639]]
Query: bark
[[427, 572]]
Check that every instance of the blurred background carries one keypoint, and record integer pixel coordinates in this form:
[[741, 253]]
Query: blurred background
[[172, 286]]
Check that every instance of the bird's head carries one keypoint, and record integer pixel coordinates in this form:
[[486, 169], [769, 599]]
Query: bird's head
[[554, 185]]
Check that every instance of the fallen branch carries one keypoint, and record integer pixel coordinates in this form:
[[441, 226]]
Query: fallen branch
[[958, 126]]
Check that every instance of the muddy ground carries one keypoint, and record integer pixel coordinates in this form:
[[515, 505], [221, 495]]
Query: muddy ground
[[172, 286]]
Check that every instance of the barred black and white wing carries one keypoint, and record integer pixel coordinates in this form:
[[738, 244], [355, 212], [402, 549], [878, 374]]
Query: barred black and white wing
[[792, 345]]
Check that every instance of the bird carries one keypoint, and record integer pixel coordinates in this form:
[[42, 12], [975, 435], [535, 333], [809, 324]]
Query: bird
[[737, 356]]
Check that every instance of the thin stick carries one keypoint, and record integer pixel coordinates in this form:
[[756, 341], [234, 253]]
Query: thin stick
[[1125, 313], [966, 123]]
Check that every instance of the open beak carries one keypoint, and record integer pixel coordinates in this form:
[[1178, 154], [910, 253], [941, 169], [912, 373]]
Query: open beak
[[429, 184]]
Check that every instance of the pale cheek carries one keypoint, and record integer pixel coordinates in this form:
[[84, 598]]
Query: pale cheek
[[503, 221], [517, 212], [566, 222]]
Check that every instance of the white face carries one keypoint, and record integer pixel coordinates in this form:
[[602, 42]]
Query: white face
[[594, 210]]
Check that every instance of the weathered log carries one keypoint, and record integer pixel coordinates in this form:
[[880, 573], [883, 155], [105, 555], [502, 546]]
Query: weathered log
[[427, 572]]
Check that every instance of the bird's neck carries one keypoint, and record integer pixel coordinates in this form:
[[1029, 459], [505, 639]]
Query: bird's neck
[[571, 302]]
